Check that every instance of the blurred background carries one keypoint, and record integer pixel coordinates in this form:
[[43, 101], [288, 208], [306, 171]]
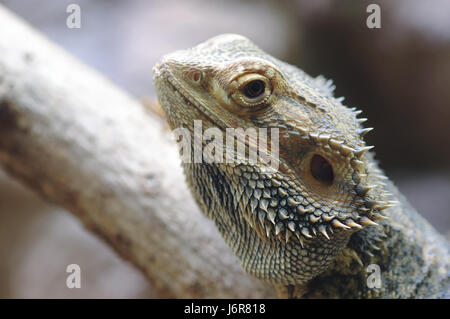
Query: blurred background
[[398, 75]]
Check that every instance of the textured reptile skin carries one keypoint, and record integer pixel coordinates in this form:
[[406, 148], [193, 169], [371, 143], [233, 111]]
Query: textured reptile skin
[[312, 226]]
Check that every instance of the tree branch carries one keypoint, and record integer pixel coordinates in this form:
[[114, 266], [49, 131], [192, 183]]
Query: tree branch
[[79, 141]]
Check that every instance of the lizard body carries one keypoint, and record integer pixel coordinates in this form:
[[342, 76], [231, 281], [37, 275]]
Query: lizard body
[[312, 226]]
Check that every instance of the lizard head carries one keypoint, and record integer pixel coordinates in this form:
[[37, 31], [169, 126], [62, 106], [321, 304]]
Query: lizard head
[[324, 188]]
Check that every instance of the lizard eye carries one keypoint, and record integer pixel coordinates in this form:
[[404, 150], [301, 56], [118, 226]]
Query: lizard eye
[[254, 90]]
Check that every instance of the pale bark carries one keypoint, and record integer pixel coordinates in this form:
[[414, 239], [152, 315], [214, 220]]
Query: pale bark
[[73, 137]]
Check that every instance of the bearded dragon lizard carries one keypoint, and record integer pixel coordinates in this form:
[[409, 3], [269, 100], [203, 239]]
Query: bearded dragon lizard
[[327, 217]]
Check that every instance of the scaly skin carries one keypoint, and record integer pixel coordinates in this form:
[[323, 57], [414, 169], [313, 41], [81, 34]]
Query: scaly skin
[[313, 226]]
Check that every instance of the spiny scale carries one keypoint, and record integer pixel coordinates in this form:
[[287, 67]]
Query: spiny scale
[[270, 199], [314, 123]]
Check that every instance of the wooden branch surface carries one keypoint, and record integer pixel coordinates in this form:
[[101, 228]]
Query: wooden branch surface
[[75, 138]]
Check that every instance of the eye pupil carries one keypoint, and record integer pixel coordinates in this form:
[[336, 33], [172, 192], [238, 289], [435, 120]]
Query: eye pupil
[[254, 89], [321, 170]]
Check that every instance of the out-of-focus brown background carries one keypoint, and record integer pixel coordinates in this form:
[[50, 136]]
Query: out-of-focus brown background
[[398, 75]]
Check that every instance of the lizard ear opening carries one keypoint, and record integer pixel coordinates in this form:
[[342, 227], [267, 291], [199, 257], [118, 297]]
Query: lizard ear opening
[[321, 170]]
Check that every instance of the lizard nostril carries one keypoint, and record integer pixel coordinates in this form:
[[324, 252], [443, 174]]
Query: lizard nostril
[[321, 170], [195, 75]]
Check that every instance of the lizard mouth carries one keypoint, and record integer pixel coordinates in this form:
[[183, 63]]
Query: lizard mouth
[[163, 73]]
